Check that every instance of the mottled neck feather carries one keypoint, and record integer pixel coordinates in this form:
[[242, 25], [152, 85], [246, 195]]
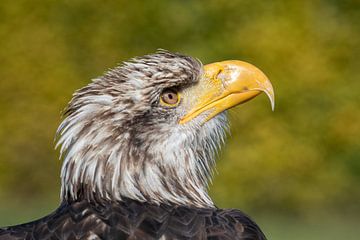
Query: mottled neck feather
[[104, 160]]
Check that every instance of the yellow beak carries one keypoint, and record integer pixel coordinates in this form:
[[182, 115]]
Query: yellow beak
[[227, 84]]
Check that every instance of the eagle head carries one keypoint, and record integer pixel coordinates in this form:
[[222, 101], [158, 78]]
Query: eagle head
[[149, 129]]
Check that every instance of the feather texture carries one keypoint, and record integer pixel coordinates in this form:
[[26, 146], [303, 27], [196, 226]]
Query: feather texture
[[117, 141], [131, 219]]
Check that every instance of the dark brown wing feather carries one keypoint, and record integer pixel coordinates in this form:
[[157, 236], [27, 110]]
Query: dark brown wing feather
[[134, 220]]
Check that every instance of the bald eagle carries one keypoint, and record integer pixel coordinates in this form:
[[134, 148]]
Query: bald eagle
[[138, 146]]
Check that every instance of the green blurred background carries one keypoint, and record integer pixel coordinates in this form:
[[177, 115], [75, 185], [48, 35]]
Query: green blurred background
[[295, 170]]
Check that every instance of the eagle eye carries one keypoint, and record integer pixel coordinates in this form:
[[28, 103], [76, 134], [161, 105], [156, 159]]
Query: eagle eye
[[170, 97]]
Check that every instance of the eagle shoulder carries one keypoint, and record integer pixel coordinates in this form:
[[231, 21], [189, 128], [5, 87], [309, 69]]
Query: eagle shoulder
[[239, 224], [211, 224], [134, 220]]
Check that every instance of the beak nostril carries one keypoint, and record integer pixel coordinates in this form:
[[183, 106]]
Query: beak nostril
[[220, 74]]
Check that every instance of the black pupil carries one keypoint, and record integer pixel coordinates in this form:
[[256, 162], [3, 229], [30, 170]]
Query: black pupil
[[170, 96]]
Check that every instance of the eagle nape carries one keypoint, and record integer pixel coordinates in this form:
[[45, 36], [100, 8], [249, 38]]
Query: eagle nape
[[139, 145]]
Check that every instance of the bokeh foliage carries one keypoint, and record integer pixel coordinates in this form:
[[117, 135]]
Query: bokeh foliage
[[301, 159]]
